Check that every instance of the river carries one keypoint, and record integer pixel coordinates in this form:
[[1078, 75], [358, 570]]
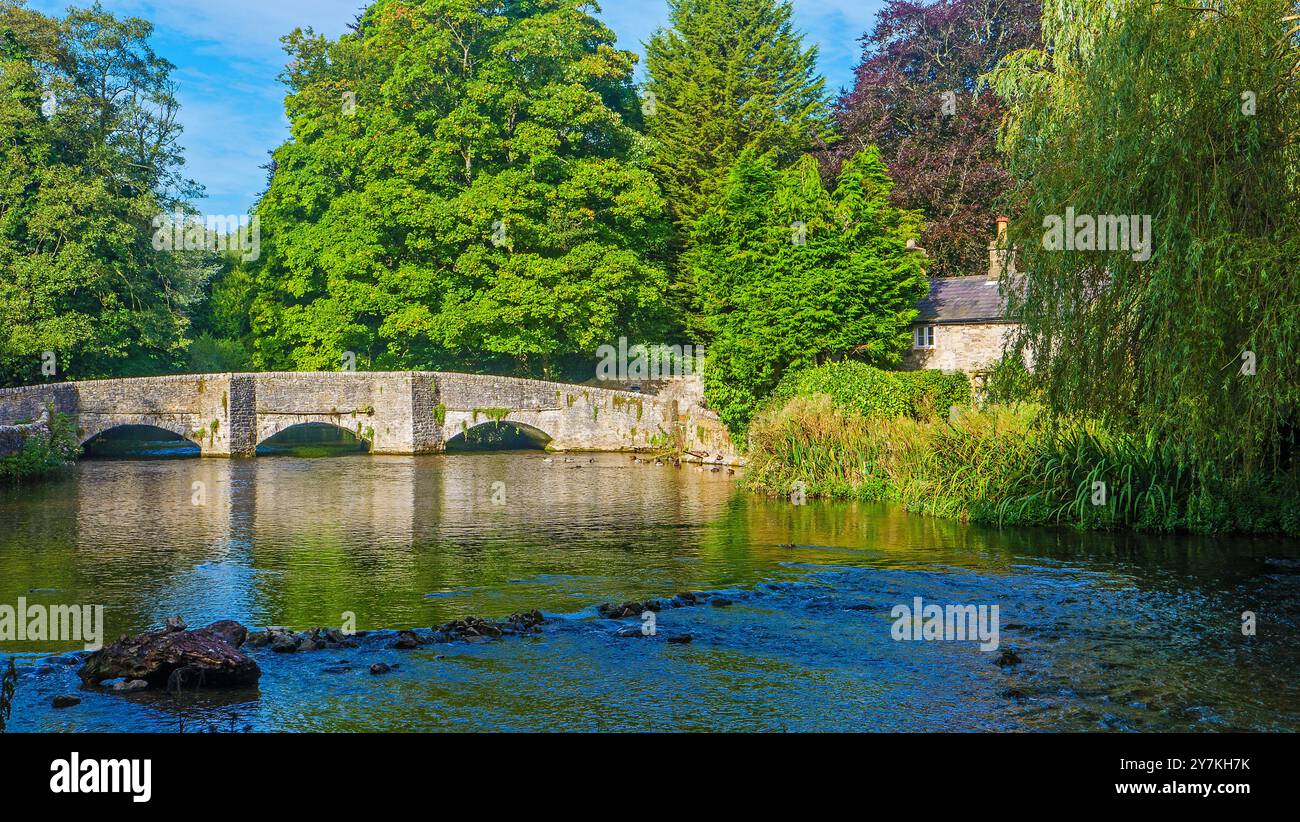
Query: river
[[1114, 631]]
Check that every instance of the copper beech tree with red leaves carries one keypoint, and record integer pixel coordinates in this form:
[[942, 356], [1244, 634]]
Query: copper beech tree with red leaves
[[917, 95]]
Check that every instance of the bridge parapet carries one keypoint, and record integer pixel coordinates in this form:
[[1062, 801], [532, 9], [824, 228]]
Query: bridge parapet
[[398, 412]]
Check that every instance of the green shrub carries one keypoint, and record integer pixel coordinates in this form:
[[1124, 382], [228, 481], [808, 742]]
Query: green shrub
[[41, 455], [862, 389]]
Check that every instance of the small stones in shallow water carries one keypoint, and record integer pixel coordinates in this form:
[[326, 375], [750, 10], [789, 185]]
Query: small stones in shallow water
[[630, 631], [286, 643], [1009, 657], [65, 701], [627, 609], [473, 629], [406, 640], [719, 602]]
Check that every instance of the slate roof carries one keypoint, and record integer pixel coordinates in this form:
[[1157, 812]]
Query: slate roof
[[970, 299]]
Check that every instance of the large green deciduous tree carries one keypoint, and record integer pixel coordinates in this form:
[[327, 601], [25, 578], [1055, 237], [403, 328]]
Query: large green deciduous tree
[[463, 181], [726, 76], [88, 157], [791, 274], [1188, 116]]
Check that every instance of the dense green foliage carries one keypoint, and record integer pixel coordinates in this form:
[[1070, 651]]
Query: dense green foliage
[[464, 181], [790, 274], [42, 455], [1188, 115], [861, 389], [88, 157], [1002, 465], [728, 75]]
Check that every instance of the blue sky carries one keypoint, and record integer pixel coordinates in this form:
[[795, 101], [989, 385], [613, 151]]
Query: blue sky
[[227, 55]]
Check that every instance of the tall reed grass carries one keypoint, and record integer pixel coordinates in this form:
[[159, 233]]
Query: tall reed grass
[[1005, 464]]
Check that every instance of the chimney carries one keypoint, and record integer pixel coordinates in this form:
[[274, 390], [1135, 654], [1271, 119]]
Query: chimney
[[1002, 258]]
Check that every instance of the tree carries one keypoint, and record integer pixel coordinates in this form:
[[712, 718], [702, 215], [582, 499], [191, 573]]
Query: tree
[[728, 75], [1183, 122], [463, 182], [89, 158], [917, 96], [791, 274]]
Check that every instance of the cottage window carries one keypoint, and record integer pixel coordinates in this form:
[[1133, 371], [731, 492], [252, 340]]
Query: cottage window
[[923, 336]]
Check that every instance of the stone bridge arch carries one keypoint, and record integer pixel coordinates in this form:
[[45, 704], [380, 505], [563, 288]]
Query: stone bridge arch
[[89, 429], [398, 412], [537, 437]]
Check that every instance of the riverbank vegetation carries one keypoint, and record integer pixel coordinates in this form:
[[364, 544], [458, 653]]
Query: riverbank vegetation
[[1008, 465], [41, 455]]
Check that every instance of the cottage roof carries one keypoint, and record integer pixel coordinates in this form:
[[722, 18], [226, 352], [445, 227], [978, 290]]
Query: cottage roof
[[970, 299]]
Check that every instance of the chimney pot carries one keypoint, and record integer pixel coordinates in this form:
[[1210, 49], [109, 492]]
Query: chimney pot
[[1001, 255]]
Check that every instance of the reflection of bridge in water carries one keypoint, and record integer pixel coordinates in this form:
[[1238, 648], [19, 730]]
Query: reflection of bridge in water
[[396, 412]]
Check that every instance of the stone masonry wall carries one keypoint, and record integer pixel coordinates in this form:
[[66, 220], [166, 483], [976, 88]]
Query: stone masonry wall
[[969, 347], [401, 412]]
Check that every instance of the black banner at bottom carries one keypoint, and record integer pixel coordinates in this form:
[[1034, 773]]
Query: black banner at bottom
[[171, 772]]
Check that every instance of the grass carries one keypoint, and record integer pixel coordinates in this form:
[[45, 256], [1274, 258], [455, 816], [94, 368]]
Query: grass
[[1005, 465]]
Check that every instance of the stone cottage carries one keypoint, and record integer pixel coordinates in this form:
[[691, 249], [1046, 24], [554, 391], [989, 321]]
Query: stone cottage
[[962, 324]]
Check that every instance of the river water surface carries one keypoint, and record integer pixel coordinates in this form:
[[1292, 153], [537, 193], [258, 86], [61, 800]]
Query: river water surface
[[1114, 631]]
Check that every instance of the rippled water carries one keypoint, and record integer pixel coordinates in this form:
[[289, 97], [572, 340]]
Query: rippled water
[[1115, 631]]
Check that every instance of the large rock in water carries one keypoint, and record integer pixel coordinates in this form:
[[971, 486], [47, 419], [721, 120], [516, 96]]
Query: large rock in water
[[204, 658]]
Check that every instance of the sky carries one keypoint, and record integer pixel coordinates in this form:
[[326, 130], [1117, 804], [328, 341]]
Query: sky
[[227, 55]]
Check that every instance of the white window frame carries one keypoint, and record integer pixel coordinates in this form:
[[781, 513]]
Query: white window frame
[[923, 337]]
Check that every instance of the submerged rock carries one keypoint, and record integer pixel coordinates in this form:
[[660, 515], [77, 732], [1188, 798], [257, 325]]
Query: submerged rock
[[681, 639], [65, 701], [380, 668], [1008, 657], [208, 656]]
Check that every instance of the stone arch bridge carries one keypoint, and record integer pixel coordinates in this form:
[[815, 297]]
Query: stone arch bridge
[[396, 412]]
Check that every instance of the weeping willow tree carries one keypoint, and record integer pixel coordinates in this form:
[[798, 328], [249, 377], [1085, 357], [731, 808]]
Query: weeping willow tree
[[1186, 113]]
